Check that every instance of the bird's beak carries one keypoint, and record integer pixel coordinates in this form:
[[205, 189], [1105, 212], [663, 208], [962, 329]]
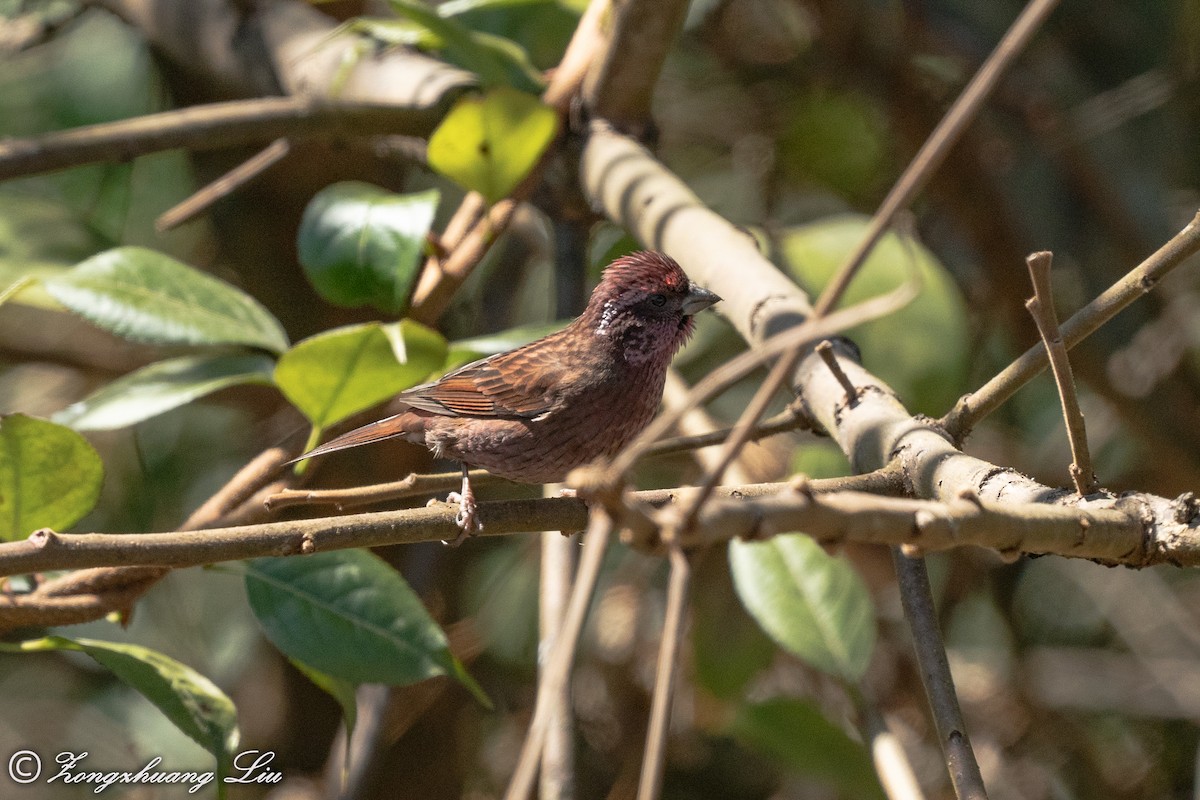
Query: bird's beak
[[698, 299]]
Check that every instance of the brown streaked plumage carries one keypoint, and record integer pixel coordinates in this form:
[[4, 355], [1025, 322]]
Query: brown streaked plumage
[[535, 413]]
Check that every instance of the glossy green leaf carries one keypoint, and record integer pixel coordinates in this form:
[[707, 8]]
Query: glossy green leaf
[[490, 143], [162, 386], [339, 372], [795, 734], [922, 350], [146, 296], [813, 605], [496, 60], [351, 616], [360, 244], [541, 28], [189, 700], [49, 476]]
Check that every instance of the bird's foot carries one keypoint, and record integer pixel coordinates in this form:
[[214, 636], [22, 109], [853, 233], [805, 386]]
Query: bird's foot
[[467, 518]]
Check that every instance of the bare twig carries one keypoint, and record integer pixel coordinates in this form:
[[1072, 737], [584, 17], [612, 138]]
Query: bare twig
[[973, 407], [207, 127], [933, 152], [412, 486], [793, 339], [935, 674], [562, 655], [1041, 308], [557, 781], [825, 351], [782, 422], [674, 627], [223, 186]]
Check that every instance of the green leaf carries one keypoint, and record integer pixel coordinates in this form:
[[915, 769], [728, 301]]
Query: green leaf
[[497, 62], [188, 699], [923, 349], [146, 296], [813, 605], [351, 616], [361, 244], [339, 372], [49, 476], [163, 386], [796, 735], [490, 143]]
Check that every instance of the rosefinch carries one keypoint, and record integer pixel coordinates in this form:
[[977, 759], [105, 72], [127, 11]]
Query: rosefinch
[[535, 413]]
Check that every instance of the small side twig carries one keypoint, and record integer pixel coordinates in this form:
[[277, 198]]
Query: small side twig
[[973, 407], [935, 674], [1041, 308], [825, 351], [412, 486], [223, 186]]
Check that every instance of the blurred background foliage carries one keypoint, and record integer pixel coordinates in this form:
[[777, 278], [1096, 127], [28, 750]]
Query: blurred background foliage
[[792, 118]]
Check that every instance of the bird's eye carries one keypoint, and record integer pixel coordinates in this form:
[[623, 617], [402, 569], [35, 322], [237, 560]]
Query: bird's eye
[[658, 300]]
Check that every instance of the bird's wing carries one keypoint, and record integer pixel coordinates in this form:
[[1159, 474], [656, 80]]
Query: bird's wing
[[524, 383]]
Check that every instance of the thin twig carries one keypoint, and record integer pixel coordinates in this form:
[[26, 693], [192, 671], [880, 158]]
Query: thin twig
[[825, 351], [933, 151], [674, 627], [207, 127], [557, 780], [738, 367], [775, 380], [935, 674], [562, 655], [1041, 308], [412, 486], [223, 186], [1139, 281]]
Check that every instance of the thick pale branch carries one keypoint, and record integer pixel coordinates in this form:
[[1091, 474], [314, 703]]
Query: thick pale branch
[[876, 430]]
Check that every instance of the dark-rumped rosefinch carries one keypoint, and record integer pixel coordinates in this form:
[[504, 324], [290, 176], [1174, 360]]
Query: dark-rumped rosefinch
[[535, 413]]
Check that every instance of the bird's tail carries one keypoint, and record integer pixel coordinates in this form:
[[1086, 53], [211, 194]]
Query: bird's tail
[[400, 425]]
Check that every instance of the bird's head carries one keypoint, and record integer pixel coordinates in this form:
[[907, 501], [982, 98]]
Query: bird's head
[[646, 302]]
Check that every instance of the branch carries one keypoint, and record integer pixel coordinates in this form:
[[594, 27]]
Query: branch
[[935, 675], [973, 407], [621, 83], [933, 151], [1041, 308], [209, 127]]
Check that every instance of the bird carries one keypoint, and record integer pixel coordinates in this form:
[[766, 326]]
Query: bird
[[580, 394]]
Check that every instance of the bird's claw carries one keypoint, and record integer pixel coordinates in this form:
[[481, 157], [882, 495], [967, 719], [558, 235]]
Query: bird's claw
[[467, 517]]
